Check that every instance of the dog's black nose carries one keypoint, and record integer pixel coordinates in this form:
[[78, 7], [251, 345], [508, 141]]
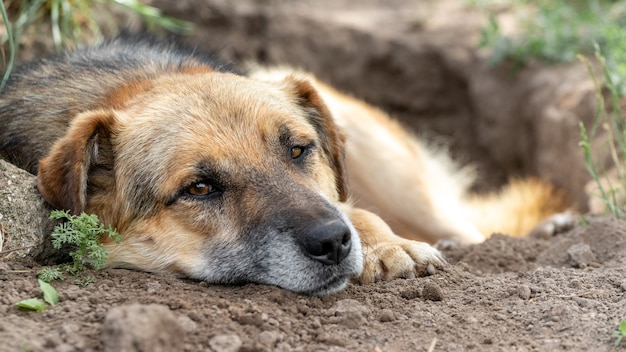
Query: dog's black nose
[[328, 243]]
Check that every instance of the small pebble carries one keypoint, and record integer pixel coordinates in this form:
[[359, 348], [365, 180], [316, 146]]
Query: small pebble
[[187, 323], [225, 343], [270, 338], [349, 312], [410, 293], [432, 292], [159, 329], [386, 315], [523, 292], [580, 255]]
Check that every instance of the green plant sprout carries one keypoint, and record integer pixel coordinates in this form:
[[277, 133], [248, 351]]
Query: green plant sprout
[[553, 31], [73, 21], [83, 232], [612, 122], [50, 274], [11, 40]]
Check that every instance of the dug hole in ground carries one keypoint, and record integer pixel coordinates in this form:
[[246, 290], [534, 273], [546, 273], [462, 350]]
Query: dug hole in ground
[[418, 61]]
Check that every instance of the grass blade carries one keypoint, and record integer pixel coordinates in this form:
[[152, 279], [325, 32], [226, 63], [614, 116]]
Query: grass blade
[[9, 30]]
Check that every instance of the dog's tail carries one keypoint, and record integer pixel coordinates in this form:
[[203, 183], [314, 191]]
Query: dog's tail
[[517, 208]]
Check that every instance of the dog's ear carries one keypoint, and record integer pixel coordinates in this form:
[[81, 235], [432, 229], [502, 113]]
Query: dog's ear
[[332, 139], [63, 175]]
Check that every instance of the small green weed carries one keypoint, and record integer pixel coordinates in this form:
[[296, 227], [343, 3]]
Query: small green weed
[[552, 30], [50, 274], [84, 232], [620, 333], [73, 21], [85, 280], [609, 117], [11, 40]]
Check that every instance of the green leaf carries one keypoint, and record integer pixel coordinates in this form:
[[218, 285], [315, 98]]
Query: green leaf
[[32, 304], [50, 295]]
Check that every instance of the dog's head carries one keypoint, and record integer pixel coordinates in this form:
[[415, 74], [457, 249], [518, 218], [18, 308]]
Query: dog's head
[[216, 177]]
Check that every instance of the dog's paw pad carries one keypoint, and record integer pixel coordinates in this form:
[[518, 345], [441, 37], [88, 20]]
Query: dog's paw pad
[[554, 225], [400, 259]]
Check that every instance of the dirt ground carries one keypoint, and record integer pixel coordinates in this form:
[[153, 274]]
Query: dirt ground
[[507, 294]]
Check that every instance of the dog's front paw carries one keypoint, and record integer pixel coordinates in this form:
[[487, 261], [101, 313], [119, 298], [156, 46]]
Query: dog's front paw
[[387, 256], [399, 258]]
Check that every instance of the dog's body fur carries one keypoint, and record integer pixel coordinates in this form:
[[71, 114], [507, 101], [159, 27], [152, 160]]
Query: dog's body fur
[[235, 179]]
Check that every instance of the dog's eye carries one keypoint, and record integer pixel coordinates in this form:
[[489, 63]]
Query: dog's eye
[[200, 189], [296, 152]]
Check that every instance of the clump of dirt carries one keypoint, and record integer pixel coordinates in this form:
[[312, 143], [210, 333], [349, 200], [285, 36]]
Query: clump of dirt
[[562, 293]]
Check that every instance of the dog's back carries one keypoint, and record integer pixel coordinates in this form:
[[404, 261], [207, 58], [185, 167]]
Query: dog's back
[[42, 97]]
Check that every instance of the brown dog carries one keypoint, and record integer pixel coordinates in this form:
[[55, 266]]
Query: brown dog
[[233, 179]]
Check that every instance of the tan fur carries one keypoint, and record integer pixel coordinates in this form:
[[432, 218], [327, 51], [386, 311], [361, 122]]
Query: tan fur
[[517, 208], [118, 98]]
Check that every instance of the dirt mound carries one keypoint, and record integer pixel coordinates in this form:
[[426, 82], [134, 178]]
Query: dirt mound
[[561, 293], [600, 241]]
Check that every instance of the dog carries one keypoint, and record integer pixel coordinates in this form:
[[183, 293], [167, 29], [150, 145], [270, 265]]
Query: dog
[[271, 176]]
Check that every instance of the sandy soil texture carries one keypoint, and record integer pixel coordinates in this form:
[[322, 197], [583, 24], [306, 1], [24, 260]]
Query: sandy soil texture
[[507, 294], [565, 293]]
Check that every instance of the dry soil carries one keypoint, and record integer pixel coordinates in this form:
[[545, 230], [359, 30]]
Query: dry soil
[[506, 294]]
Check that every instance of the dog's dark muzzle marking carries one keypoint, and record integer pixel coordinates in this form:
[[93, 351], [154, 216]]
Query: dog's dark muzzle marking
[[328, 243]]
